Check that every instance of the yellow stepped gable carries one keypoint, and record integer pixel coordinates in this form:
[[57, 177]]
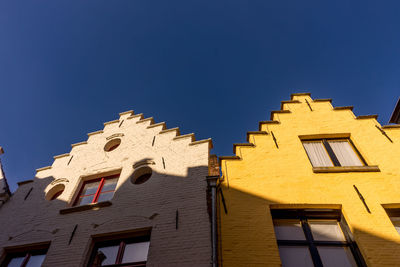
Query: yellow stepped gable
[[273, 172]]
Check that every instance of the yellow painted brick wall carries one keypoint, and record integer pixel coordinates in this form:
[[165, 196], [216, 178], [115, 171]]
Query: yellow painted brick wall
[[265, 175]]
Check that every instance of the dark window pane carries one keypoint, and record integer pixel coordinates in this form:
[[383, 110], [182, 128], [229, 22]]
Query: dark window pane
[[288, 230], [295, 256], [16, 262], [136, 252], [90, 188], [110, 254], [109, 185], [105, 196], [35, 261], [336, 256], [85, 200]]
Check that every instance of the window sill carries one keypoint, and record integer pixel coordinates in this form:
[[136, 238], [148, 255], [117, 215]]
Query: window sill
[[346, 169], [94, 206]]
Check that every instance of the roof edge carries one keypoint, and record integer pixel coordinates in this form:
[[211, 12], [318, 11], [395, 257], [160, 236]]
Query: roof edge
[[395, 118]]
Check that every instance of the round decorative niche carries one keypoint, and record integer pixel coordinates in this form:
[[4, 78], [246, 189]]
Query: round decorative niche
[[112, 144], [141, 175], [55, 192]]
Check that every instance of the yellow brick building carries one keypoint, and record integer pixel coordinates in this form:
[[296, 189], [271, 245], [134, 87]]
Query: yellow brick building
[[323, 182]]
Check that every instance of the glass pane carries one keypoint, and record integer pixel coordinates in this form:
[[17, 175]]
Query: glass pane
[[109, 185], [336, 256], [16, 262], [105, 196], [288, 230], [326, 230], [317, 154], [90, 188], [345, 153], [396, 223], [110, 254], [295, 256], [35, 261], [136, 252], [85, 200]]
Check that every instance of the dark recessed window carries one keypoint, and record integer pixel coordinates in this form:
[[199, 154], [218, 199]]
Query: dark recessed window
[[56, 195], [141, 175], [112, 145], [97, 190], [332, 152], [314, 238], [121, 252], [55, 192]]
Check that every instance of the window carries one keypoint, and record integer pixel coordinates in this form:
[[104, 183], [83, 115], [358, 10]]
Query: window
[[332, 152], [112, 145], [394, 215], [55, 192], [141, 175], [32, 258], [125, 252], [97, 190], [314, 238]]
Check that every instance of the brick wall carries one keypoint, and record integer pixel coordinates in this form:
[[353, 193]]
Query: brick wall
[[180, 167], [4, 189]]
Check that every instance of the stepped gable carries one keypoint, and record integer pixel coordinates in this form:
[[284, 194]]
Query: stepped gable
[[129, 119], [144, 179], [266, 128]]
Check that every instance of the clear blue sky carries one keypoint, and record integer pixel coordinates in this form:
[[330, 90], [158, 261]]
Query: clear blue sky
[[214, 68]]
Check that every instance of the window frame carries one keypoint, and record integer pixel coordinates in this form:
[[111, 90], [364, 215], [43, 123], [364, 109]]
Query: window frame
[[121, 242], [98, 191], [27, 252], [393, 213], [330, 153], [303, 215]]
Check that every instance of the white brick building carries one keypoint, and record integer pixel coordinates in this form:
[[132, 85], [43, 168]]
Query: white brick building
[[97, 203]]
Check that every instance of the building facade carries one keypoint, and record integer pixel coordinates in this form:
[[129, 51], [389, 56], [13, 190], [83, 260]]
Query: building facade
[[133, 194], [314, 186], [4, 189]]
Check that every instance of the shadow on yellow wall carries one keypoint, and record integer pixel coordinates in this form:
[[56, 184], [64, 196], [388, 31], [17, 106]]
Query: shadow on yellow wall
[[247, 237]]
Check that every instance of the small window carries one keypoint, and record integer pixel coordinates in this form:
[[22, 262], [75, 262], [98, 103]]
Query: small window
[[332, 152], [394, 215], [314, 238], [97, 190], [141, 175], [55, 192], [56, 195], [112, 145], [31, 258], [122, 252]]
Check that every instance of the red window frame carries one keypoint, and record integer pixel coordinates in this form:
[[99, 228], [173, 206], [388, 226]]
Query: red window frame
[[98, 191]]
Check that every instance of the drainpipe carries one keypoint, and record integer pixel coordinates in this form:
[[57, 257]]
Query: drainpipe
[[212, 185]]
